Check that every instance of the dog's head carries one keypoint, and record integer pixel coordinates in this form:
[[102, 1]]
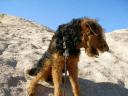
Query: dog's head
[[92, 37], [83, 32]]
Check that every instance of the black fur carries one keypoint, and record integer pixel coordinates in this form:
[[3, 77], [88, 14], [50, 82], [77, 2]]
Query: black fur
[[39, 64], [71, 33]]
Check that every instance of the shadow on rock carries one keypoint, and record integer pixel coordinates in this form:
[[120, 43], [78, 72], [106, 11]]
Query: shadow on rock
[[43, 90], [87, 88]]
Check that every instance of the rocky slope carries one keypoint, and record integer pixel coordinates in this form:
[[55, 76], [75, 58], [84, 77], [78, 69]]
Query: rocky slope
[[22, 43]]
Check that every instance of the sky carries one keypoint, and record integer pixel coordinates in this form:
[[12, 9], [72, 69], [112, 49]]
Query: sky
[[111, 14]]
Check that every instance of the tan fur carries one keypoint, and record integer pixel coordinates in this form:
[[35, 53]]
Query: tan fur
[[93, 40], [73, 74], [57, 65]]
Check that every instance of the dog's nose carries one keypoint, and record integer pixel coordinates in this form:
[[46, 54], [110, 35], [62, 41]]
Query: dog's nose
[[106, 48]]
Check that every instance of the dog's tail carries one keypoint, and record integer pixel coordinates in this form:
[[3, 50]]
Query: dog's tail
[[32, 71], [36, 69]]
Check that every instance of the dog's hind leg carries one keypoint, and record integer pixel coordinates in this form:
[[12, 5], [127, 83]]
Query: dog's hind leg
[[43, 74], [58, 64], [73, 74]]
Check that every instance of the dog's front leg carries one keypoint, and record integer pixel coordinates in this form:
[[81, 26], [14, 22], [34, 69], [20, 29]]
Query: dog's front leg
[[57, 74], [57, 80], [73, 74]]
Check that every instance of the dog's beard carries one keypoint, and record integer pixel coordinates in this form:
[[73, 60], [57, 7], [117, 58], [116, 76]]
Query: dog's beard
[[92, 52]]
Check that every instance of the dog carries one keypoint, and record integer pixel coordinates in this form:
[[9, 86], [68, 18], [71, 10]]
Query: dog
[[78, 33]]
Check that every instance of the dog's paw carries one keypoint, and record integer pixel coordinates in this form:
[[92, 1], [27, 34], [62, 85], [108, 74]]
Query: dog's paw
[[30, 92]]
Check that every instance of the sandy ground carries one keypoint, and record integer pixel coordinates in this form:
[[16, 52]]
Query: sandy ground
[[22, 43]]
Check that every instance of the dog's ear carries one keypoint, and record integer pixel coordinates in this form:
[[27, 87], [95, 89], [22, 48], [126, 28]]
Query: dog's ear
[[91, 51], [59, 37]]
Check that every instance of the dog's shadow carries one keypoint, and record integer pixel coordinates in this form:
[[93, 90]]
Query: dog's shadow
[[87, 88]]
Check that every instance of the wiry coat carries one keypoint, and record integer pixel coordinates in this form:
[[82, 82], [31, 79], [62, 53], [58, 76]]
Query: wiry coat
[[82, 32], [71, 32]]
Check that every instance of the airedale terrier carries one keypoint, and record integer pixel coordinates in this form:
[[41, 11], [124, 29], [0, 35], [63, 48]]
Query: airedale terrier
[[81, 32]]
